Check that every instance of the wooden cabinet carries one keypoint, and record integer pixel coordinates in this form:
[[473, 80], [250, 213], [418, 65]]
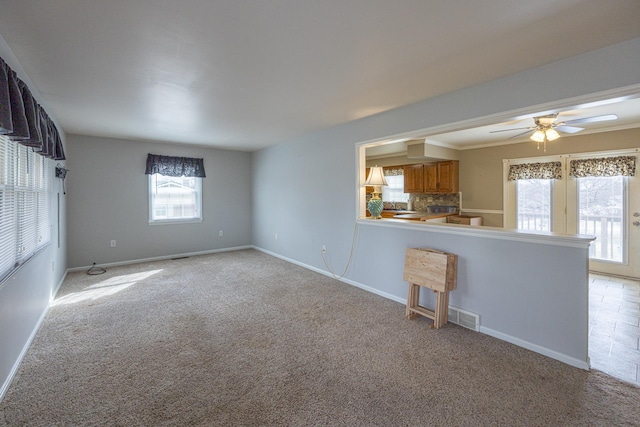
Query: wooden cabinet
[[448, 177], [440, 177], [413, 178], [466, 220], [431, 179]]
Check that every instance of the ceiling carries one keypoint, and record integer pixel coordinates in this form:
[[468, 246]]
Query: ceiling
[[627, 111], [247, 74]]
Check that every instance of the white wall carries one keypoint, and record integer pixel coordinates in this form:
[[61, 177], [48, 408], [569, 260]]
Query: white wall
[[25, 296], [305, 191], [108, 200]]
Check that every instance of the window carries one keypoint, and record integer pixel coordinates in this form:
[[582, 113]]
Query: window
[[394, 192], [534, 204], [25, 226], [174, 199], [601, 208]]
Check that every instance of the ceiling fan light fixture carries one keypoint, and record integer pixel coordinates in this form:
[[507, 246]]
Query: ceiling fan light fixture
[[546, 120], [538, 136], [551, 134]]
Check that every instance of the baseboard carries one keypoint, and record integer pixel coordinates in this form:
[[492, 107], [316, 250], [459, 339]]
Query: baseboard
[[582, 364], [23, 352], [326, 273], [487, 331], [58, 286], [163, 257]]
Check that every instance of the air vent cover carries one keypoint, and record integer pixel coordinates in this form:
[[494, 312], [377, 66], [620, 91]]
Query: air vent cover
[[464, 318]]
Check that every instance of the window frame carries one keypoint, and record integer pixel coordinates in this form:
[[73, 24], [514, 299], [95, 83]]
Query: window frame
[[179, 220], [624, 247], [27, 177]]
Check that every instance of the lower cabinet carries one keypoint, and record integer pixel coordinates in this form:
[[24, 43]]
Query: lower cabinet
[[463, 219], [441, 220]]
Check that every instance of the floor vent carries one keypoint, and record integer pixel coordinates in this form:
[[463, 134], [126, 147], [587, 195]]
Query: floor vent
[[464, 319]]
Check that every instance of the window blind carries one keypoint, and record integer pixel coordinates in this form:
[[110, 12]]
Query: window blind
[[25, 225]]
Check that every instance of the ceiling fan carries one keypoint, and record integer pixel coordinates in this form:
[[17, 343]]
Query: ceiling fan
[[546, 128]]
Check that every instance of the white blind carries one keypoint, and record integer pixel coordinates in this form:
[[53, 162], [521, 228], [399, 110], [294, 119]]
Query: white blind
[[25, 225], [8, 211]]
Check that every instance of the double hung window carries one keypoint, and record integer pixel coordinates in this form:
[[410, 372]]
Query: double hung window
[[175, 188], [25, 226], [394, 191], [174, 198]]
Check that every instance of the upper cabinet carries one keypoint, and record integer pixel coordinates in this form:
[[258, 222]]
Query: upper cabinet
[[413, 179], [440, 177], [448, 177]]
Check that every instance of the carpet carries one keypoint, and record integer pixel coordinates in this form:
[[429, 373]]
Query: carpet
[[244, 338]]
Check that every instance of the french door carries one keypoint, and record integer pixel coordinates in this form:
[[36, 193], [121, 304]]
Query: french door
[[607, 207]]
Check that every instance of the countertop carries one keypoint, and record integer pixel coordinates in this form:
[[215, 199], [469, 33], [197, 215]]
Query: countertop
[[423, 216]]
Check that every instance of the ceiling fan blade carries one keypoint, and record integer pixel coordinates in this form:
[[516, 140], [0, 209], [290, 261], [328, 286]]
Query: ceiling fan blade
[[591, 119], [520, 134], [508, 130], [568, 129]]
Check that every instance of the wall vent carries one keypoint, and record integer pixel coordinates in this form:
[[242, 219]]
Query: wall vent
[[464, 318]]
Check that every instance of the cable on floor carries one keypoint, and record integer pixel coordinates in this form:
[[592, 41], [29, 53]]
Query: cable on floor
[[94, 271]]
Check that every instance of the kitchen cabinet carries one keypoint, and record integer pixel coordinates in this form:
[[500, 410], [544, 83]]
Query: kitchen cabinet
[[413, 178], [463, 219], [440, 220], [440, 177]]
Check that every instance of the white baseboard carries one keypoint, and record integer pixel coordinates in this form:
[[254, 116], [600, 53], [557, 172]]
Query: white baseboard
[[163, 257], [23, 352], [582, 364], [326, 273], [499, 335], [58, 286]]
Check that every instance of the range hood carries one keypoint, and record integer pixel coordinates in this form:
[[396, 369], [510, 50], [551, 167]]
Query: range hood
[[423, 150]]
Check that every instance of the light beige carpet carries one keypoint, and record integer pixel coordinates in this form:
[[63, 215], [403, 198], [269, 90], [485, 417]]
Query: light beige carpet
[[243, 338]]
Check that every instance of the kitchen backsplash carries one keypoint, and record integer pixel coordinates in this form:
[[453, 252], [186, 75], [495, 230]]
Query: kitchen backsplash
[[421, 202]]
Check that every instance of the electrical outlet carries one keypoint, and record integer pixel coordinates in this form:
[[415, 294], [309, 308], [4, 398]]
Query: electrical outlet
[[276, 236], [324, 249], [113, 243], [220, 233]]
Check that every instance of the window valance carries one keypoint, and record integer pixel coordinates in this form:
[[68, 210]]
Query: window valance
[[175, 166], [604, 166], [23, 120], [548, 170], [393, 171]]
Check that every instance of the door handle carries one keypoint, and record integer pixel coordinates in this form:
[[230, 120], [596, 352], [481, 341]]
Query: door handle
[[636, 223]]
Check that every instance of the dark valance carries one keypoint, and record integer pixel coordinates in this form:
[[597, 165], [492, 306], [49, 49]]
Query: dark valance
[[23, 120], [605, 166], [175, 166], [549, 170]]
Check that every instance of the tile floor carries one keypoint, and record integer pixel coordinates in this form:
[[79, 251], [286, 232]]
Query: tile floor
[[614, 326]]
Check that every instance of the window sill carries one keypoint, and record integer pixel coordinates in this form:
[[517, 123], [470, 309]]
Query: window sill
[[175, 221]]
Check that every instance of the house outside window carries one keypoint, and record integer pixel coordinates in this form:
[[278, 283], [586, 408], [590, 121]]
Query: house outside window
[[174, 199]]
